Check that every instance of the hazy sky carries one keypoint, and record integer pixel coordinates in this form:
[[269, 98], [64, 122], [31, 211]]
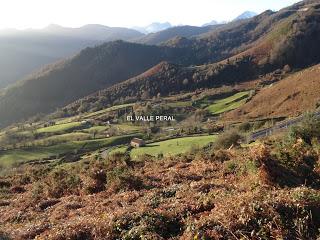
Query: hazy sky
[[74, 13]]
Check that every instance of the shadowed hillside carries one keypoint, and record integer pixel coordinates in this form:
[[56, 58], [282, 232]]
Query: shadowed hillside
[[25, 51], [92, 69]]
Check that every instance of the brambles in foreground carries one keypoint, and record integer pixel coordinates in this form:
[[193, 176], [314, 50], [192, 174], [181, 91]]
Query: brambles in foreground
[[228, 140], [61, 182], [114, 174], [245, 127], [308, 130]]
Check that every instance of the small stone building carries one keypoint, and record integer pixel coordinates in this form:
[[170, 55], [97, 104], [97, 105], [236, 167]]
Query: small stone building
[[137, 142]]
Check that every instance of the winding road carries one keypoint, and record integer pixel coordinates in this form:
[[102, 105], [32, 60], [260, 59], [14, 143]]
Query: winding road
[[279, 126]]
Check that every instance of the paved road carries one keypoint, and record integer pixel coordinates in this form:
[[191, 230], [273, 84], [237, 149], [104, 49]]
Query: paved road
[[278, 127]]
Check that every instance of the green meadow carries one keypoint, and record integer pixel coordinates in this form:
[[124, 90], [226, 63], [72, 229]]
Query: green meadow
[[229, 103], [10, 157], [170, 147]]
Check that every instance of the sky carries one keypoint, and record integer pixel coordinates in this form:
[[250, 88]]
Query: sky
[[24, 14]]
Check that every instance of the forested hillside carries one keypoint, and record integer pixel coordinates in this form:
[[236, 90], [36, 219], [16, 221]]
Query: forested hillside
[[180, 31], [165, 79]]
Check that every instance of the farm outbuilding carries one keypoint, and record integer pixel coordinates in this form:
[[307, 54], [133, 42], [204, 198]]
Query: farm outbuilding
[[137, 142]]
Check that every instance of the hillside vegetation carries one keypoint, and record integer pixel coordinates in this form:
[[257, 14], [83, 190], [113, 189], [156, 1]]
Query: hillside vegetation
[[289, 97], [180, 31]]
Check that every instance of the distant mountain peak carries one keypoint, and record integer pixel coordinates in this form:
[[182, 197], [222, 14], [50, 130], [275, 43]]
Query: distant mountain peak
[[245, 15], [94, 26], [154, 27], [53, 27], [213, 22]]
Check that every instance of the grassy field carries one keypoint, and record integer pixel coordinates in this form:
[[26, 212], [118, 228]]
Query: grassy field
[[10, 157], [123, 128], [122, 149], [113, 108], [128, 127], [179, 104], [73, 136], [68, 119], [229, 103], [95, 128], [59, 128], [172, 146]]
